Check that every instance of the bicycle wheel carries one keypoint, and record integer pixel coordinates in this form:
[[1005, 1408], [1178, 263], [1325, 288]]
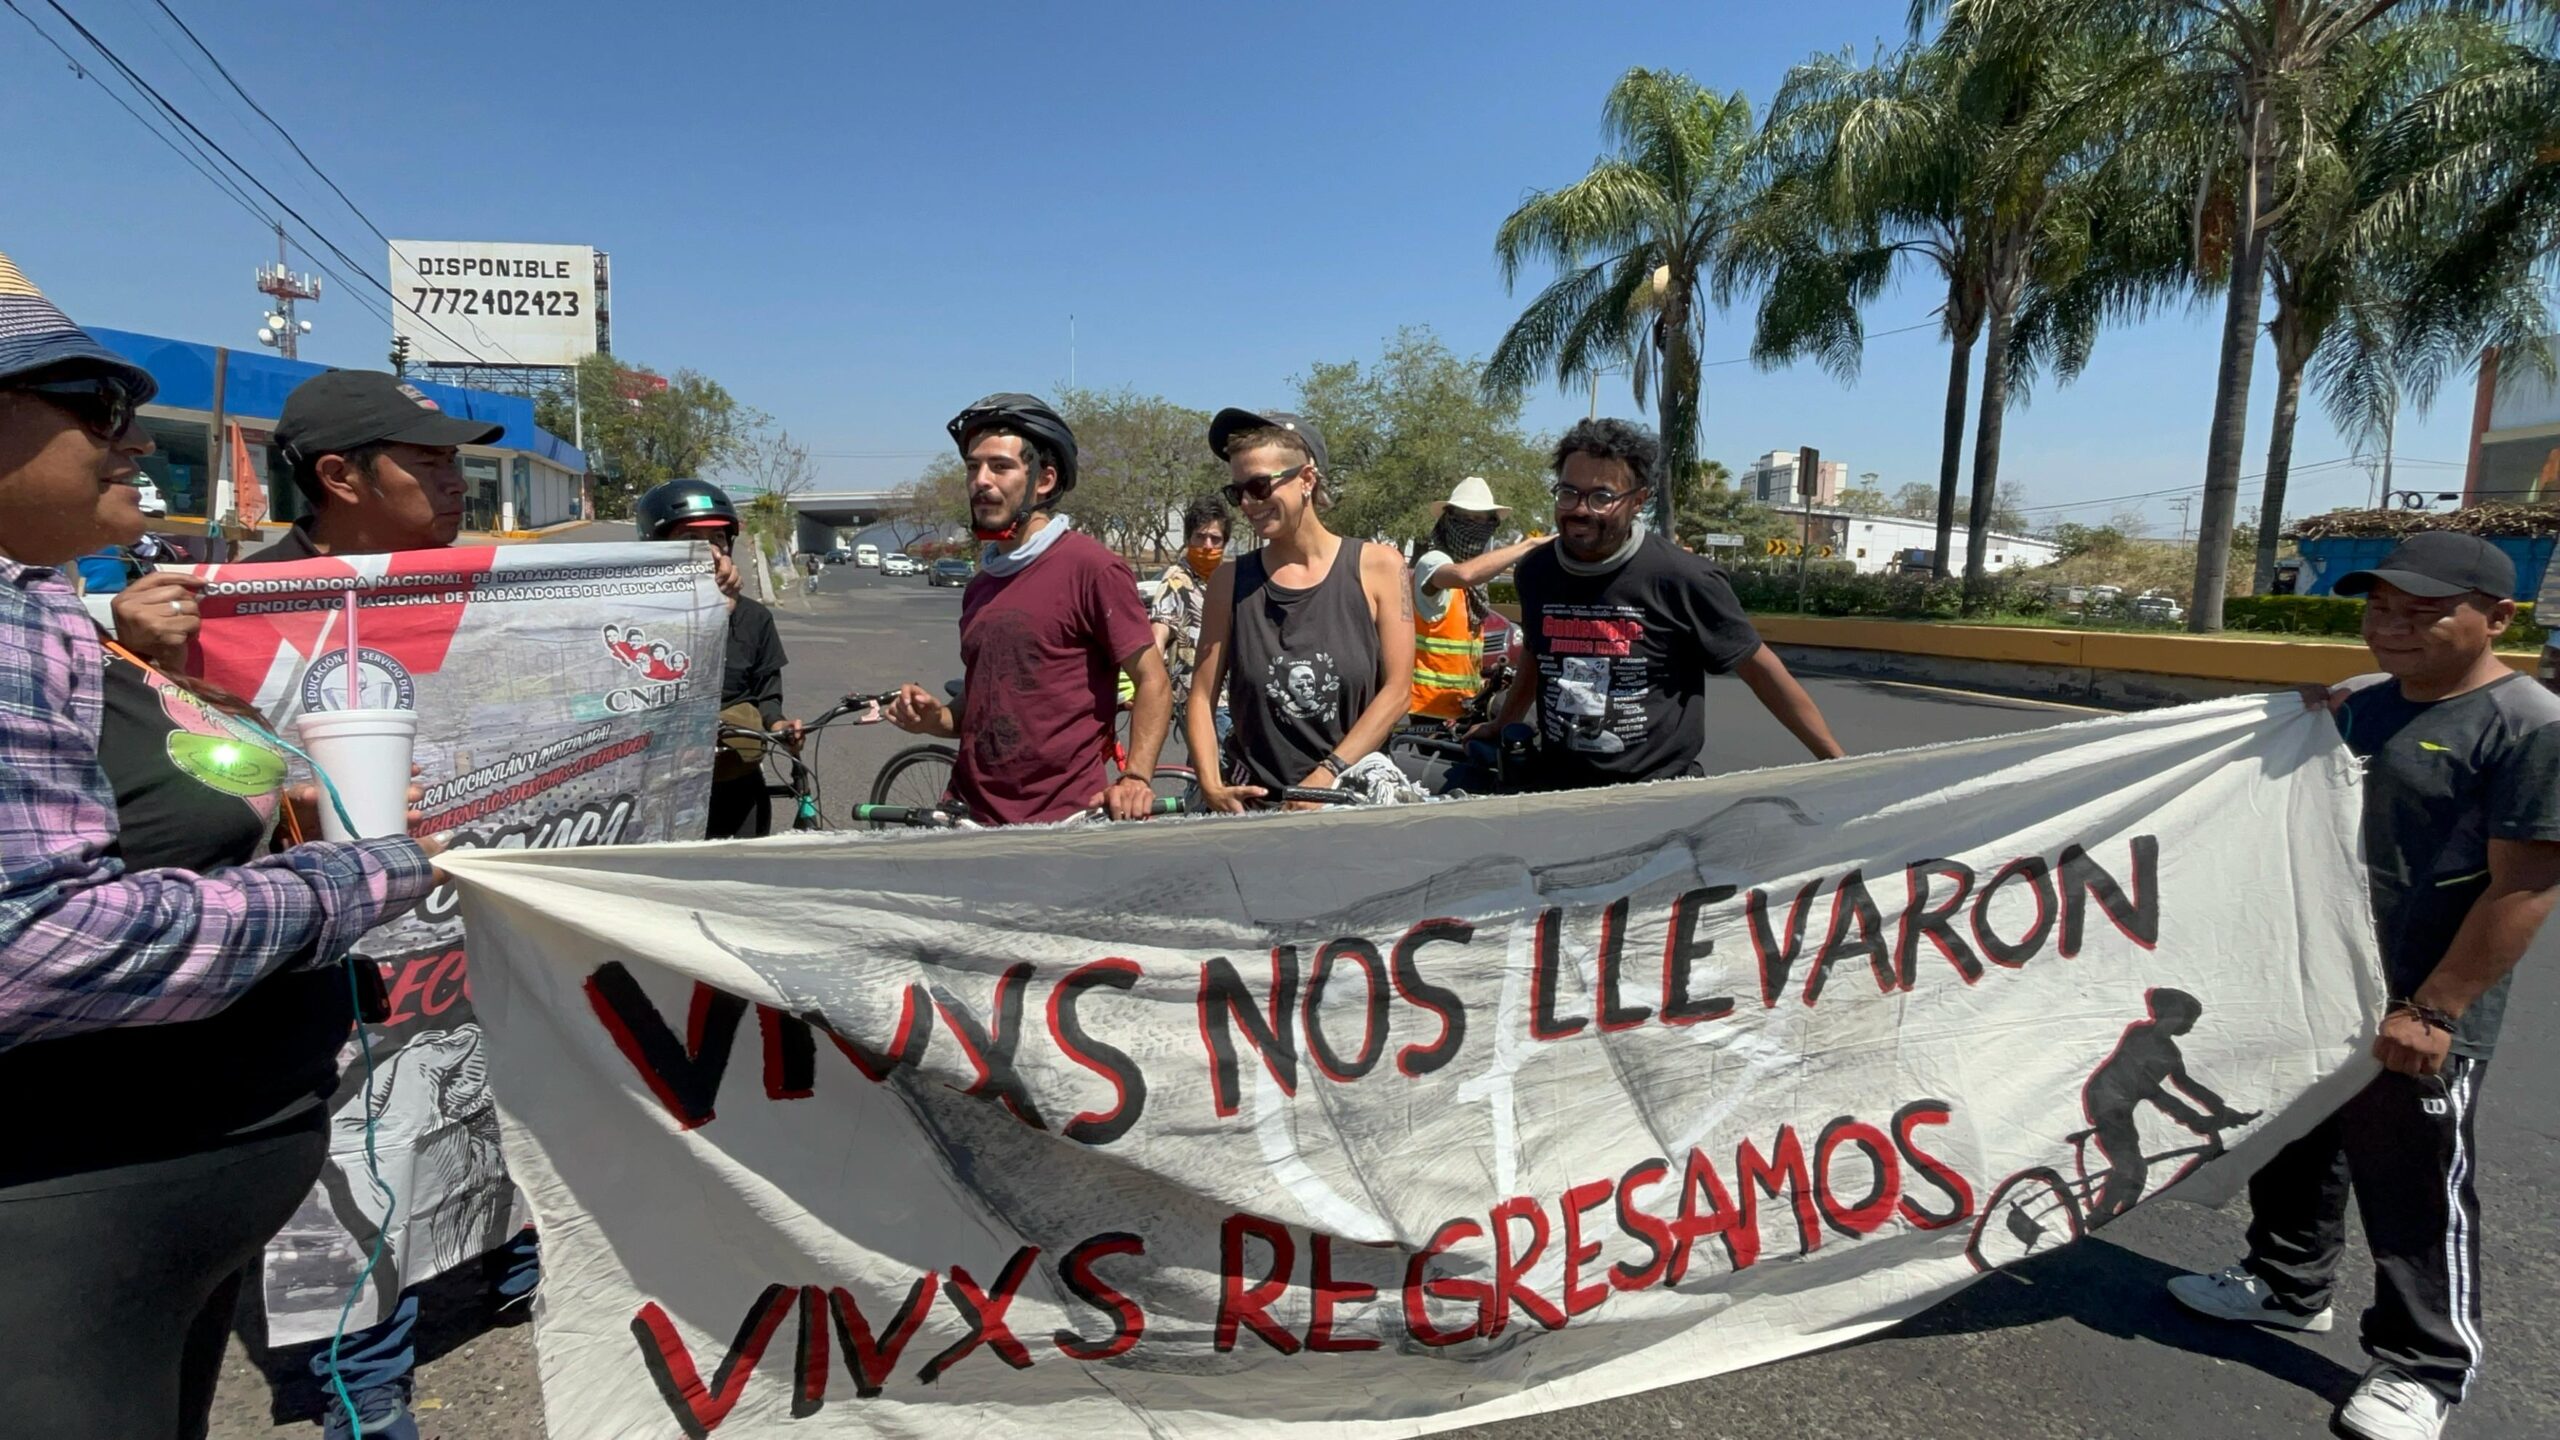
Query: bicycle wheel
[[917, 776], [2032, 1212]]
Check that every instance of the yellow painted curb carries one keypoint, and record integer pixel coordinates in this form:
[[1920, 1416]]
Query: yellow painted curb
[[2254, 659]]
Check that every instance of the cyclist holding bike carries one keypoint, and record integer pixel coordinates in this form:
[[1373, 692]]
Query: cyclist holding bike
[[751, 679], [1046, 628], [1316, 628]]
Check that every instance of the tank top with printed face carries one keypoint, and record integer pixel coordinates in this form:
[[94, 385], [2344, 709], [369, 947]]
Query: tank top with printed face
[[1306, 665]]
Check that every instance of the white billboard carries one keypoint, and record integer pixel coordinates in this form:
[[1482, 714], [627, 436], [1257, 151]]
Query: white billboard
[[478, 302]]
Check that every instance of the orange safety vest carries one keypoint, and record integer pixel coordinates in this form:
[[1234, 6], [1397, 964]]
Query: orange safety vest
[[1446, 652]]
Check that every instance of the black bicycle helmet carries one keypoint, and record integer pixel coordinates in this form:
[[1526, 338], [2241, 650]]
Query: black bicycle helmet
[[682, 502], [1032, 416]]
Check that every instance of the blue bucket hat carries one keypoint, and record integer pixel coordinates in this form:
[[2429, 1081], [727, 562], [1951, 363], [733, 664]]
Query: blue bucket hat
[[37, 338]]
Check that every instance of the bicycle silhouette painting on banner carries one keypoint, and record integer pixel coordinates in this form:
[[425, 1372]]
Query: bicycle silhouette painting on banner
[[2139, 1090]]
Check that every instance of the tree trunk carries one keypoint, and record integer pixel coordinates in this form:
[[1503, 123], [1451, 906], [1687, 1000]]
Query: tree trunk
[[1986, 440], [2231, 383], [1951, 448], [1676, 405], [2289, 368]]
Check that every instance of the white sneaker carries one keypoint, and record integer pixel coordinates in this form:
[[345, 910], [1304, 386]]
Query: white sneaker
[[2391, 1404], [2232, 1293]]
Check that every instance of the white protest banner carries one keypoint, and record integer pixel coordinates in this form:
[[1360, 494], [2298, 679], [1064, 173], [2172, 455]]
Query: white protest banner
[[565, 696], [1383, 1122]]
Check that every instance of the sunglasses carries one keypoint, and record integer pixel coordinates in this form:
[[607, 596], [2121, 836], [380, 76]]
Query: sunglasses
[[104, 407], [1567, 498], [1257, 488]]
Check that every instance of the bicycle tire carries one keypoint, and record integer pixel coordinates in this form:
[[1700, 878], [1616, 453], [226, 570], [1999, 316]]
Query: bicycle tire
[[2013, 1225], [907, 775]]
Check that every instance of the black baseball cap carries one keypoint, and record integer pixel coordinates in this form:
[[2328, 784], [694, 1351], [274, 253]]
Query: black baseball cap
[[1232, 422], [2437, 563], [334, 412]]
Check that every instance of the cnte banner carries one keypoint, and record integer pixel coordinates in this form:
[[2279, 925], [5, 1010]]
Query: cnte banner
[[565, 696], [1384, 1122]]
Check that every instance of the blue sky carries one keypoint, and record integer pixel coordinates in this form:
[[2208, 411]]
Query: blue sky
[[861, 217]]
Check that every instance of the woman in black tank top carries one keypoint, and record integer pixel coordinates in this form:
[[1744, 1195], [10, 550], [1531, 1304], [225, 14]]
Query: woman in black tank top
[[1305, 666], [1315, 677]]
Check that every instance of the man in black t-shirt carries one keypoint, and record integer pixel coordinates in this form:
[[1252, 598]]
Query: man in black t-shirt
[[2462, 844], [1623, 629]]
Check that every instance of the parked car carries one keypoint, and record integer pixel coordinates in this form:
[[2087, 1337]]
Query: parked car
[[1497, 641], [866, 555], [841, 555], [1149, 588], [950, 570], [2158, 609], [899, 562]]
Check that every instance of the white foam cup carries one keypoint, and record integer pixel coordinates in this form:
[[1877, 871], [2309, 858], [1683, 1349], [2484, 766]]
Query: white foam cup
[[366, 754]]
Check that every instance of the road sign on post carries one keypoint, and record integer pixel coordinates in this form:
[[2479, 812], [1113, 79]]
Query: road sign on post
[[1729, 542]]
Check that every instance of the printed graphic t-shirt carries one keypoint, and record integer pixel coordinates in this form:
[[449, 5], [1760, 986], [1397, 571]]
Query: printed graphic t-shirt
[[1622, 659], [1042, 649], [2442, 780], [194, 790]]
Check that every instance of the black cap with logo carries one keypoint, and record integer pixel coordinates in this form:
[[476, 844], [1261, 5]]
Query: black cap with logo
[[332, 413], [1232, 422], [2437, 563]]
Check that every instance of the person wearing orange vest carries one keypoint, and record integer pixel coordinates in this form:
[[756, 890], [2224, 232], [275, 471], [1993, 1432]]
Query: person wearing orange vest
[[1448, 597]]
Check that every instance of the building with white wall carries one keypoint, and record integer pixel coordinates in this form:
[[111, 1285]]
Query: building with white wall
[[1878, 543], [1771, 480]]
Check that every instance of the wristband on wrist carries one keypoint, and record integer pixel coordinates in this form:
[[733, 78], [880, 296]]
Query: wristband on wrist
[[2427, 1015], [1334, 763]]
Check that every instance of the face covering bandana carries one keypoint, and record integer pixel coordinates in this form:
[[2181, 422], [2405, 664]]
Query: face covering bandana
[[1202, 560], [1467, 536]]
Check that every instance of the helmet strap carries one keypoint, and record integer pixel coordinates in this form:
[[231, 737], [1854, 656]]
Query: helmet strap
[[1021, 517]]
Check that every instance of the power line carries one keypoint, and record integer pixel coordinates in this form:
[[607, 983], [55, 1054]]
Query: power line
[[200, 165], [305, 156], [161, 102]]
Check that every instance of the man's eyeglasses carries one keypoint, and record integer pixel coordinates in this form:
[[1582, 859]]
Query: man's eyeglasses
[[1257, 488], [104, 407], [1567, 497]]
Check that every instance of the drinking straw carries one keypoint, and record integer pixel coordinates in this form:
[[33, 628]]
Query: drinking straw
[[355, 696]]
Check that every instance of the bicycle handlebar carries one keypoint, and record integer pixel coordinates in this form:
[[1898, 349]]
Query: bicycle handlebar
[[922, 817]]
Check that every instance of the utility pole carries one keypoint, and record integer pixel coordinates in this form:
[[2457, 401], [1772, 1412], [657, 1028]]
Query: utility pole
[[281, 329], [2183, 504], [1808, 468], [1071, 352]]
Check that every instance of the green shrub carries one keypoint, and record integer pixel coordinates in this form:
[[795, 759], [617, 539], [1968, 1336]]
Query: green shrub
[[2340, 615]]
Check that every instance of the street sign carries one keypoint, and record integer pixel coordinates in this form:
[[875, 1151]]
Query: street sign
[[1732, 542], [1808, 472]]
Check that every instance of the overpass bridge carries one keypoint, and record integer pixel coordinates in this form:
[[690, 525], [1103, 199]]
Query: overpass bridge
[[821, 513]]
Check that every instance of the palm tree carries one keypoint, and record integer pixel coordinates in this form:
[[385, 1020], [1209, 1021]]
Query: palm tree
[[2471, 168], [2332, 274], [2272, 66], [1981, 154], [1632, 242], [1860, 183]]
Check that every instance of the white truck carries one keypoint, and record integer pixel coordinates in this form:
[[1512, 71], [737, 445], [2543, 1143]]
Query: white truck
[[867, 555]]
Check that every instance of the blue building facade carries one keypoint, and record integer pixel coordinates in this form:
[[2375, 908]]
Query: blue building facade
[[528, 479]]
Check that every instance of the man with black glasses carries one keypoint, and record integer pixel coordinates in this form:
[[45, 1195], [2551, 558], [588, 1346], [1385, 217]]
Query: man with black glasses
[[1623, 628]]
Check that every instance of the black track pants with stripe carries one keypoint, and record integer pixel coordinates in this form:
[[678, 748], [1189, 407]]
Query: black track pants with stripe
[[2403, 1145]]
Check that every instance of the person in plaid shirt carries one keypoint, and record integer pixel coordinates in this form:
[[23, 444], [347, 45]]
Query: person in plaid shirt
[[123, 1233]]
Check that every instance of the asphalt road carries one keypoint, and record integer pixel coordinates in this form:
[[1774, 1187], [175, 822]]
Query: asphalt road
[[2080, 1344]]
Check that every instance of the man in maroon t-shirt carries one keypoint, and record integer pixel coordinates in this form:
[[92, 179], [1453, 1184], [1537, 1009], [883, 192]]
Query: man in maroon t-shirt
[[1045, 630]]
